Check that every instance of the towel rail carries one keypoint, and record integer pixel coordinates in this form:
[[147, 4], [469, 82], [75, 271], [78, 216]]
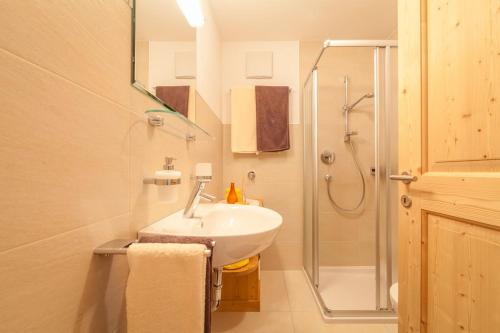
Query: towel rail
[[289, 90], [120, 246]]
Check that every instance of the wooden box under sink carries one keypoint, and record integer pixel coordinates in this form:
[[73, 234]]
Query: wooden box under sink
[[241, 288]]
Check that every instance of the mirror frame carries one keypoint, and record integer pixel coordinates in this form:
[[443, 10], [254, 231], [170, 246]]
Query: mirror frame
[[136, 84]]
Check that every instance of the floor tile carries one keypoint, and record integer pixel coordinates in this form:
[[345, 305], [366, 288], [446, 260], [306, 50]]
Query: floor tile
[[311, 322], [273, 292], [252, 322], [299, 293], [307, 321], [288, 306]]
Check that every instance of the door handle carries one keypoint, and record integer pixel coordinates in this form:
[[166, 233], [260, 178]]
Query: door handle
[[405, 177]]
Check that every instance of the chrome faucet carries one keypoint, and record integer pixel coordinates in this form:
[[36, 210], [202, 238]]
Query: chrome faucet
[[197, 194]]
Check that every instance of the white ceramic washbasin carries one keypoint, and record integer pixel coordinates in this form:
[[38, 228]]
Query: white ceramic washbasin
[[239, 231]]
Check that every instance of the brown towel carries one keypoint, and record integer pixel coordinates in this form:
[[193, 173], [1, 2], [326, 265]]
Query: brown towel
[[272, 118], [177, 97], [208, 284]]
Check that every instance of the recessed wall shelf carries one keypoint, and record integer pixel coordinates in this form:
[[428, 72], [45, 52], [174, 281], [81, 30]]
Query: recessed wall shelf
[[176, 122]]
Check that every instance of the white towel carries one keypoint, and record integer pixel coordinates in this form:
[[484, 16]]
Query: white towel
[[243, 120], [166, 288]]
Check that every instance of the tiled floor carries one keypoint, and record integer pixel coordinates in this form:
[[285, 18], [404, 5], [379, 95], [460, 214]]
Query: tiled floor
[[287, 306]]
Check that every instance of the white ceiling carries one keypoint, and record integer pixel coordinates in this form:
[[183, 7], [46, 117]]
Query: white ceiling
[[162, 20], [305, 20]]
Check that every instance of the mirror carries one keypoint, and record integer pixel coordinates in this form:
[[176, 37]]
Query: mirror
[[164, 49]]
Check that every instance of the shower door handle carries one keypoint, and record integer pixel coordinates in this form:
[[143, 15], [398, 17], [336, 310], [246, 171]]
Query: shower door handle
[[405, 177]]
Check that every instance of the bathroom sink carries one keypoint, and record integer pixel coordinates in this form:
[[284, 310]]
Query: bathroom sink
[[240, 231]]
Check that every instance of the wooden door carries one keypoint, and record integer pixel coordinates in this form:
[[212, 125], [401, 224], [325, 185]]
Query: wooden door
[[449, 111]]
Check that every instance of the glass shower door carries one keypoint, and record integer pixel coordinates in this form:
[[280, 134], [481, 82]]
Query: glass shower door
[[349, 250], [310, 177], [347, 201], [387, 164]]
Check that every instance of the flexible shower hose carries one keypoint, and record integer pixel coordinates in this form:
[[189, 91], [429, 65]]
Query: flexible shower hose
[[328, 179]]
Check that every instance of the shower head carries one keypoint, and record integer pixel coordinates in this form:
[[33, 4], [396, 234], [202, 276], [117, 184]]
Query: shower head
[[350, 107]]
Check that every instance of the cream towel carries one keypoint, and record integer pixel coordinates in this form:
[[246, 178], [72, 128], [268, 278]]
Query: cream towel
[[243, 120], [166, 288]]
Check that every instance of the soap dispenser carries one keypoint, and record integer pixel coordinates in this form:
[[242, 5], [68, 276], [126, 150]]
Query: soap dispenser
[[168, 176], [163, 179]]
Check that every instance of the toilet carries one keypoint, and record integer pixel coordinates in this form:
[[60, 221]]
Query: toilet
[[393, 291]]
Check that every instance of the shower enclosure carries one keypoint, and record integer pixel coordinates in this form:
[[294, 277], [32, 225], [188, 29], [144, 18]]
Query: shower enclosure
[[350, 206]]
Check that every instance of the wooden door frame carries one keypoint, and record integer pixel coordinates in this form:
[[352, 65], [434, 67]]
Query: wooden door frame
[[410, 159]]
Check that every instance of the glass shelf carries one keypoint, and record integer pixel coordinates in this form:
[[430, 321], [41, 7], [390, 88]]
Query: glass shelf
[[171, 121], [175, 123]]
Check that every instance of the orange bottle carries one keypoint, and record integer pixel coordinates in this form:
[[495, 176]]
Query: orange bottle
[[232, 198]]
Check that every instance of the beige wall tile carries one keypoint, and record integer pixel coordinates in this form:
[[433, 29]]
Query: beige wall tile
[[350, 236], [336, 227], [282, 255], [75, 148], [149, 147], [87, 42], [64, 157], [209, 150], [58, 285], [366, 252], [279, 185], [280, 167], [339, 253]]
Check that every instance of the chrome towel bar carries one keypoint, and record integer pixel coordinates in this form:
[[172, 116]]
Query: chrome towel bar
[[120, 246]]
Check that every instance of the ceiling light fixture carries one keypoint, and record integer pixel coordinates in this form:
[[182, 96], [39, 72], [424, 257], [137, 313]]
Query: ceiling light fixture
[[192, 11]]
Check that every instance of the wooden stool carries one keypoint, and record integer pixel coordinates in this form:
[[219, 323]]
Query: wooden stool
[[241, 288]]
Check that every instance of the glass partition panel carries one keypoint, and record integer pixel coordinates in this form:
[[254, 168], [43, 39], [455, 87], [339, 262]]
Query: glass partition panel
[[346, 196], [308, 176], [350, 206]]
